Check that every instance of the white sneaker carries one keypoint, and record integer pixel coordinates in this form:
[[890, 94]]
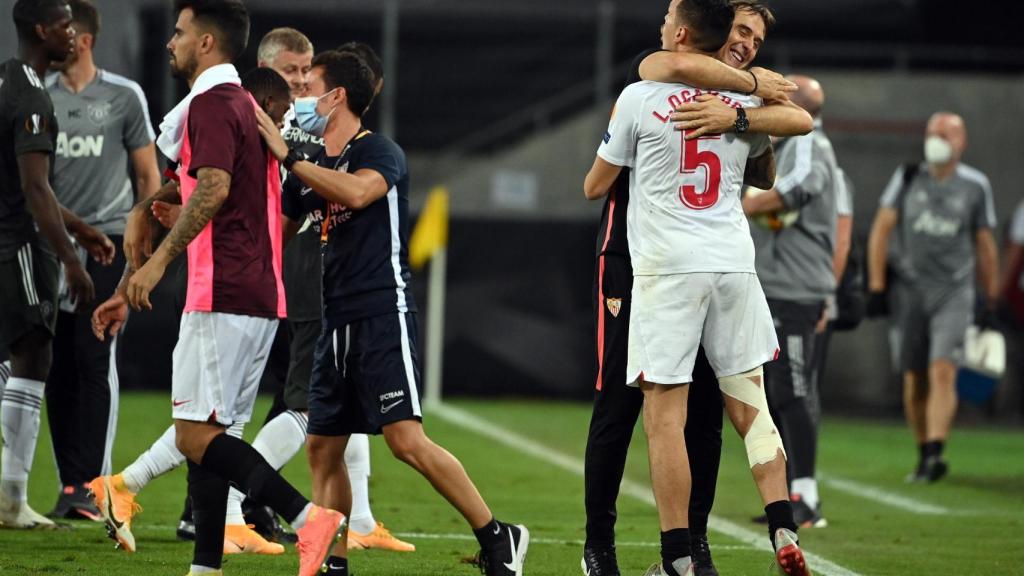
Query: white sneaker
[[658, 570], [20, 516]]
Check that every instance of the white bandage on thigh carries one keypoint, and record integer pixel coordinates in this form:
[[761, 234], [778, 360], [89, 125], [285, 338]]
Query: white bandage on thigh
[[762, 440]]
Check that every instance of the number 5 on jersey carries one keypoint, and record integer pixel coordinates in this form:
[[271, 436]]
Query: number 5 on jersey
[[692, 160]]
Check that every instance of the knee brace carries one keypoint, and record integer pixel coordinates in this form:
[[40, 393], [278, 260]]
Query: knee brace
[[762, 440]]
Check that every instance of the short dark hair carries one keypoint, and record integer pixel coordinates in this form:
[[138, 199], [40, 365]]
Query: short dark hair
[[348, 71], [264, 82], [28, 13], [368, 55], [229, 18], [709, 21], [757, 7], [85, 15]]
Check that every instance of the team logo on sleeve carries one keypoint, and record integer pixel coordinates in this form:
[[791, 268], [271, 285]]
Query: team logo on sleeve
[[607, 137], [35, 124], [614, 305]]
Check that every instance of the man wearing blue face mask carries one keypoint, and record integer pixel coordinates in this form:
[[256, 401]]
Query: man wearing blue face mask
[[366, 370], [290, 53], [944, 217]]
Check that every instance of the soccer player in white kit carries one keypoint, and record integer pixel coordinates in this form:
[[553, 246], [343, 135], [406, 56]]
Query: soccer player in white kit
[[694, 281]]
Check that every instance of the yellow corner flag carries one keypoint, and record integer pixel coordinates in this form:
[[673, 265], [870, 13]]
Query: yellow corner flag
[[431, 232]]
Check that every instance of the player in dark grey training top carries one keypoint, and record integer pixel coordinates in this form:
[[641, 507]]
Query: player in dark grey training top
[[794, 262], [944, 216], [104, 124], [32, 239]]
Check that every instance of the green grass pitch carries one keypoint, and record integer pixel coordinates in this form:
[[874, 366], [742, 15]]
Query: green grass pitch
[[970, 523]]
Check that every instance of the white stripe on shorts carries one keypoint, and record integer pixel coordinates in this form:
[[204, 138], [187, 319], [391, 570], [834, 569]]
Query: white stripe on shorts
[[410, 374], [27, 278], [797, 364], [115, 393]]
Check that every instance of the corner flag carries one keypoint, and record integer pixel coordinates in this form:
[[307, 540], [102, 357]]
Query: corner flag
[[431, 231]]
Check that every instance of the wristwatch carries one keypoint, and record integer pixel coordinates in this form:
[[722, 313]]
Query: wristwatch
[[742, 124], [292, 157]]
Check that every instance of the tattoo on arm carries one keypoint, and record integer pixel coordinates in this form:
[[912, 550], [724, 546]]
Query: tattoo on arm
[[210, 193]]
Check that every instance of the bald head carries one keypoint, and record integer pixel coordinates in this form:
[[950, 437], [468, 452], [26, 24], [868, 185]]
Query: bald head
[[808, 95]]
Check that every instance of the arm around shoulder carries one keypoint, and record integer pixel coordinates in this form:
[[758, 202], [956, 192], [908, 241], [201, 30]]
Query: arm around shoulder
[[780, 119]]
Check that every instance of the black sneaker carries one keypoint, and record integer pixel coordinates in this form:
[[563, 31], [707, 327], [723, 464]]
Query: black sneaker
[[762, 519], [935, 468], [265, 523], [806, 517], [186, 528], [186, 531], [75, 503], [508, 557], [599, 561], [700, 553]]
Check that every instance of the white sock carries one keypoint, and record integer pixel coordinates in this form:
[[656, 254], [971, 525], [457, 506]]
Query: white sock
[[194, 569], [357, 460], [281, 438], [234, 516], [19, 419], [278, 442], [807, 488], [300, 520], [163, 456]]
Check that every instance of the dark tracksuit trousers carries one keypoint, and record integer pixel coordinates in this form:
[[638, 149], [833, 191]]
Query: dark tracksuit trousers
[[617, 407], [81, 391]]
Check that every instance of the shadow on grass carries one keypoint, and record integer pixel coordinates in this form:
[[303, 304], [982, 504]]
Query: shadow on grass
[[1012, 486]]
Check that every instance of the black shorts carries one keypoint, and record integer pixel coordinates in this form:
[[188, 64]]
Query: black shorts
[[304, 336], [28, 294], [366, 375]]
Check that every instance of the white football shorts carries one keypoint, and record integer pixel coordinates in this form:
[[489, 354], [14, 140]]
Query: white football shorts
[[674, 314], [217, 366]]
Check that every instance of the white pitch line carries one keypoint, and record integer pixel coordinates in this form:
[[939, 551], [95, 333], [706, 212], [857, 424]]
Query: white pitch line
[[520, 443], [556, 541], [881, 496], [166, 529]]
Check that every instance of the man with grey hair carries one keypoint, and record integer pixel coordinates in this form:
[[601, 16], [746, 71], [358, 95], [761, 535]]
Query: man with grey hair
[[943, 214], [290, 53], [794, 234]]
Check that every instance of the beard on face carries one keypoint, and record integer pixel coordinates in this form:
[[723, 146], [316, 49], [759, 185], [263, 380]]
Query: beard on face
[[183, 69]]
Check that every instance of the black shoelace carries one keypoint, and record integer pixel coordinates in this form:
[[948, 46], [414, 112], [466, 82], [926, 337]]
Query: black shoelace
[[481, 561]]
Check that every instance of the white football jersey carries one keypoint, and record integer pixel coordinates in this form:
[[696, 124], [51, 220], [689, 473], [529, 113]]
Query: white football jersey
[[684, 212]]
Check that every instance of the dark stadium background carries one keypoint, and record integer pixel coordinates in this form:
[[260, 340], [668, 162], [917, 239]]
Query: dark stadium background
[[503, 103]]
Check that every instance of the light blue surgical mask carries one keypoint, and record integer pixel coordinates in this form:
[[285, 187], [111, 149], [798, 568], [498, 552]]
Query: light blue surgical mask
[[307, 118]]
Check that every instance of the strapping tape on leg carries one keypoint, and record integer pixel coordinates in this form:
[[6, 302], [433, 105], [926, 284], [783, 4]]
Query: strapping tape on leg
[[763, 441]]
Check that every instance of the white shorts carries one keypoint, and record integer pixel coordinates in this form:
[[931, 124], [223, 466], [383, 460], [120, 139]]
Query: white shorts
[[673, 315], [217, 366]]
